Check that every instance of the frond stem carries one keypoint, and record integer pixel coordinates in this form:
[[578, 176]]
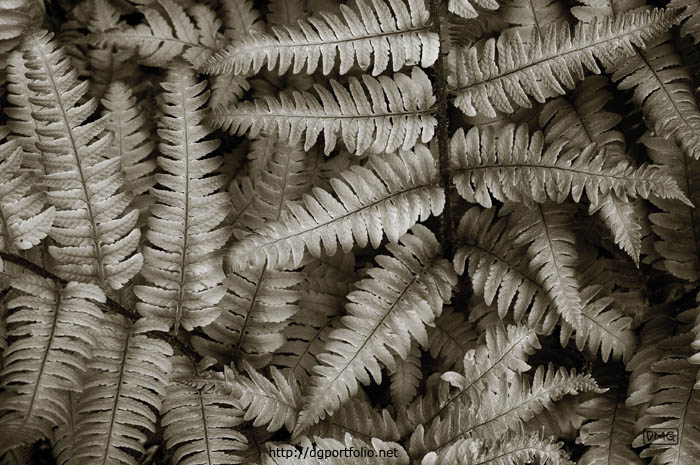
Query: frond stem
[[442, 131]]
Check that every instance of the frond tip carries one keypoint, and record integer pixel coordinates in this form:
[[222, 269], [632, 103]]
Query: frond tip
[[364, 124], [388, 195]]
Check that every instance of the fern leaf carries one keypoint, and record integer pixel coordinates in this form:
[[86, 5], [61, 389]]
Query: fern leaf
[[402, 296], [545, 229], [677, 226], [498, 270], [663, 90], [388, 195], [537, 15], [583, 120], [513, 166], [169, 33], [271, 404], [451, 338], [19, 111], [370, 33], [358, 417], [509, 450], [16, 17], [363, 124], [240, 18], [285, 12], [123, 392], [405, 377], [482, 86], [604, 328], [23, 220], [132, 143], [183, 270], [600, 8], [676, 405], [503, 354], [97, 240], [691, 17], [504, 410], [319, 305], [53, 330], [610, 433], [392, 453], [200, 426], [465, 9]]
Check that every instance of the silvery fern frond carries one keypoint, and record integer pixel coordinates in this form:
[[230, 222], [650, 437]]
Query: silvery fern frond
[[272, 404], [16, 17], [499, 270], [368, 34], [402, 296], [451, 338], [505, 71], [123, 392], [24, 221], [364, 124], [511, 449], [512, 165], [181, 265], [169, 33], [97, 239], [465, 9], [405, 377], [200, 424], [386, 196], [53, 329], [132, 143]]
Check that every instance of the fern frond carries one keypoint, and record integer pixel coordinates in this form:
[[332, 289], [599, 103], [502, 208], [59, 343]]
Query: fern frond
[[499, 271], [24, 222], [602, 327], [511, 165], [53, 329], [285, 12], [663, 89], [536, 15], [465, 9], [504, 408], [132, 142], [363, 124], [451, 338], [691, 17], [181, 264], [405, 377], [19, 112], [509, 450], [583, 120], [675, 404], [610, 433], [546, 231], [358, 417], [200, 426], [97, 240], [506, 71], [599, 8], [240, 18], [267, 403], [402, 296], [677, 226], [368, 34], [17, 17], [501, 356], [169, 33], [388, 195], [123, 392]]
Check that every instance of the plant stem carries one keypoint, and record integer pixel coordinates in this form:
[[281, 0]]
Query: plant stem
[[446, 221]]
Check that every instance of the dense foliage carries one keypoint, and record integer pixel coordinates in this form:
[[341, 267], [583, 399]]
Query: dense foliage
[[449, 233]]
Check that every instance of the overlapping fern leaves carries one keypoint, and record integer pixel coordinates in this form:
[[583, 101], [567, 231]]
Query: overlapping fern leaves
[[238, 232]]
